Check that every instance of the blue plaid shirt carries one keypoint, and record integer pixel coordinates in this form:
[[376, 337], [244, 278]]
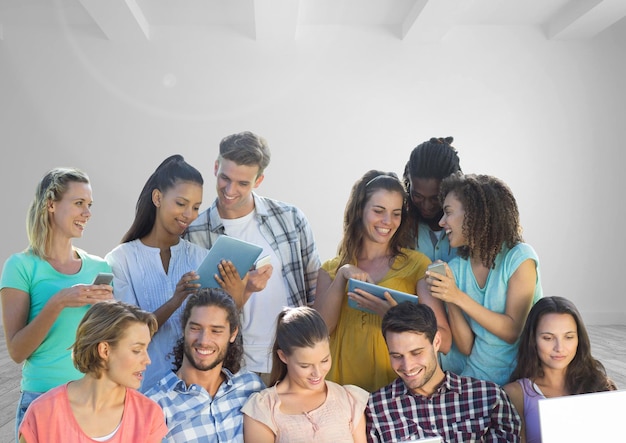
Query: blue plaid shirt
[[192, 416], [462, 409], [287, 231]]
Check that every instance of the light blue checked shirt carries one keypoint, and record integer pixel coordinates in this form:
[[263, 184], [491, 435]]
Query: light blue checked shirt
[[192, 416]]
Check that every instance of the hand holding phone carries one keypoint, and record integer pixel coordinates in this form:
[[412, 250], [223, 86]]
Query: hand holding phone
[[103, 278], [439, 268]]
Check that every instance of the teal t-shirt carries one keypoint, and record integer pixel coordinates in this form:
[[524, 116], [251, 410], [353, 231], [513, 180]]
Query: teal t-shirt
[[51, 364], [491, 358]]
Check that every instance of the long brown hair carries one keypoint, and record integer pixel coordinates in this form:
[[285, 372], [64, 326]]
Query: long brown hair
[[298, 327], [584, 374], [353, 233]]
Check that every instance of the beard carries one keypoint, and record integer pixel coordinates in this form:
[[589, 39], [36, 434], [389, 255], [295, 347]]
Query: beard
[[219, 358]]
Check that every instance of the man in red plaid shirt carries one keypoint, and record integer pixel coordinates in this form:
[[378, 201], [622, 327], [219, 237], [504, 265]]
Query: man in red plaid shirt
[[425, 401]]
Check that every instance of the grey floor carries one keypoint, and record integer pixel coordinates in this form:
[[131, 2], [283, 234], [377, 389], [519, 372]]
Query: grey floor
[[608, 345]]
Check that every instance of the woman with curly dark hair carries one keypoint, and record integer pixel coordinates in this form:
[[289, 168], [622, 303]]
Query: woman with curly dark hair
[[492, 284], [554, 359]]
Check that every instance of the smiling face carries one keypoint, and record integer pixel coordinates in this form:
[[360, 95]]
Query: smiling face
[[178, 206], [307, 367], [414, 359], [128, 359], [453, 219], [69, 215], [234, 187], [207, 337], [557, 340], [382, 215]]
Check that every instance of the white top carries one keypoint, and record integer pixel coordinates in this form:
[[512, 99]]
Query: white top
[[258, 317]]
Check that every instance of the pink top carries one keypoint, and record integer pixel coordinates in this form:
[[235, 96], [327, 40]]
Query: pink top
[[333, 421], [50, 419]]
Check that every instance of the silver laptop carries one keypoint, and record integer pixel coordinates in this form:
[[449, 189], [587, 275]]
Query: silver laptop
[[596, 417]]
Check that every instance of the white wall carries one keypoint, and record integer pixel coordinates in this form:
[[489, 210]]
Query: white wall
[[545, 116]]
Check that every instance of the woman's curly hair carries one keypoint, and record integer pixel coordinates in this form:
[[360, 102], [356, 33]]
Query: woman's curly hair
[[491, 215]]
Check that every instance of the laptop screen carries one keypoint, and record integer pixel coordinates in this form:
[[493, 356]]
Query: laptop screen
[[596, 417]]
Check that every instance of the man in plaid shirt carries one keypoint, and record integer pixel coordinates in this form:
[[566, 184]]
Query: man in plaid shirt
[[281, 229], [202, 397], [425, 401]]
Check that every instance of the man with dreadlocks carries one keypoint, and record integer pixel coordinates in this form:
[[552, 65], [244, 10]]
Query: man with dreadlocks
[[429, 163]]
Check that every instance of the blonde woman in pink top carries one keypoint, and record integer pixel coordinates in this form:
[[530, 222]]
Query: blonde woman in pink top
[[111, 349], [300, 405]]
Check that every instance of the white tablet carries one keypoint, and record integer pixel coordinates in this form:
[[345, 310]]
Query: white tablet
[[241, 253], [378, 291]]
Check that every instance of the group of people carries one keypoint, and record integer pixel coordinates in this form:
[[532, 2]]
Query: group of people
[[278, 354]]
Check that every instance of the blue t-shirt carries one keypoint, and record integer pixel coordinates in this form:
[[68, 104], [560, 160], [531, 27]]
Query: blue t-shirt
[[435, 246], [51, 364], [491, 358]]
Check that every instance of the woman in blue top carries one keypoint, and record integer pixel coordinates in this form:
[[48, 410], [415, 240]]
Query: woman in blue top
[[490, 287], [154, 267], [46, 289]]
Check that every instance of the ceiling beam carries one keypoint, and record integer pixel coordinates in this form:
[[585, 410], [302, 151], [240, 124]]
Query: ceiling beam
[[120, 20], [583, 19], [428, 20], [276, 19], [411, 17]]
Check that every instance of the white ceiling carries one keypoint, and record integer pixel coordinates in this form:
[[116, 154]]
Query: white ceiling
[[120, 20]]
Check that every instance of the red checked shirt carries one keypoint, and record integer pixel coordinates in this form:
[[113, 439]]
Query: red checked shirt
[[463, 409]]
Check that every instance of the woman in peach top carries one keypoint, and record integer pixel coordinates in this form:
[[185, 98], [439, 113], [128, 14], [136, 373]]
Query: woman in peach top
[[111, 349], [300, 405]]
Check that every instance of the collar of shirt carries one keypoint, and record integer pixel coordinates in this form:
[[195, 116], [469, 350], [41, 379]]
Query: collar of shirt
[[174, 383], [451, 382], [215, 221]]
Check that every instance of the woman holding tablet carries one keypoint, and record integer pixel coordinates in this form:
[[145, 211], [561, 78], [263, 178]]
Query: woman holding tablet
[[154, 267], [373, 250]]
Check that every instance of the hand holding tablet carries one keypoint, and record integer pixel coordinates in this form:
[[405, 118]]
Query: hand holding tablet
[[241, 253], [378, 291]]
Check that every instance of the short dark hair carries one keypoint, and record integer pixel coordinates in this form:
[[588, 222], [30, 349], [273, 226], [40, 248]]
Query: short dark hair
[[410, 317], [219, 298], [246, 148]]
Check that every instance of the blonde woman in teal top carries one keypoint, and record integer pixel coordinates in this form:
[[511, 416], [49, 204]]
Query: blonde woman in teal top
[[47, 288], [490, 287]]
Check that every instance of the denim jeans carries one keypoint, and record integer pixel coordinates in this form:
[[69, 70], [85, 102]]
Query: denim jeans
[[26, 398]]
